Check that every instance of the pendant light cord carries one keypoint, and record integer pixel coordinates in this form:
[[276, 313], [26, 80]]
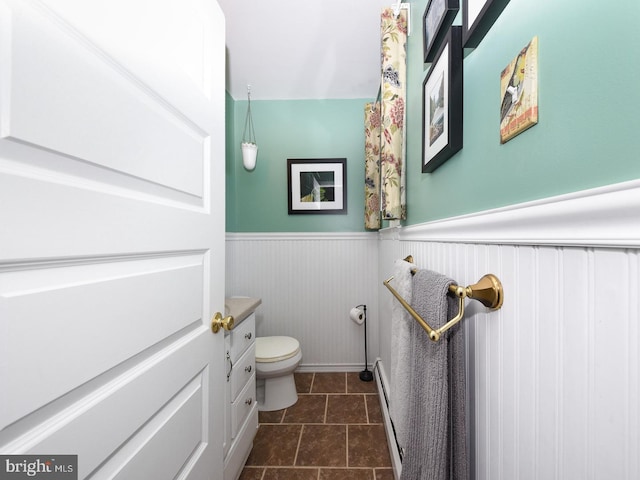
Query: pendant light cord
[[248, 122]]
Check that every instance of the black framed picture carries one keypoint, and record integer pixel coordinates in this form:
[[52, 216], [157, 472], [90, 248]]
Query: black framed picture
[[477, 18], [436, 21], [442, 103], [317, 185]]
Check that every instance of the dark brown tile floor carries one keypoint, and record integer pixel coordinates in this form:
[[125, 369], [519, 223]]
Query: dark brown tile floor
[[333, 432]]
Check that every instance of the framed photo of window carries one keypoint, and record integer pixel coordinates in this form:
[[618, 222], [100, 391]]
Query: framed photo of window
[[317, 186], [436, 21], [442, 104]]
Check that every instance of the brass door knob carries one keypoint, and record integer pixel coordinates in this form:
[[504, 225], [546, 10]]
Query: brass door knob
[[217, 321]]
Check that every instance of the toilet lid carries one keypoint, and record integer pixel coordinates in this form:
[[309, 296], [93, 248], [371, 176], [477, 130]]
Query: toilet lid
[[274, 349]]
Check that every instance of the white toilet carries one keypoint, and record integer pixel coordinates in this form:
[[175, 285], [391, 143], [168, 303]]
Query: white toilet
[[276, 359]]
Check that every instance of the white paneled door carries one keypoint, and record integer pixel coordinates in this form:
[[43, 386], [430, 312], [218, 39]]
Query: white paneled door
[[112, 234]]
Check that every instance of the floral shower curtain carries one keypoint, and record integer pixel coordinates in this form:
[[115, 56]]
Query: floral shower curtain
[[372, 166], [393, 94]]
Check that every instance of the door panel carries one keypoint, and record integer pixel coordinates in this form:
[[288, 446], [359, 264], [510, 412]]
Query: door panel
[[113, 306], [159, 380], [73, 81], [111, 237], [181, 419]]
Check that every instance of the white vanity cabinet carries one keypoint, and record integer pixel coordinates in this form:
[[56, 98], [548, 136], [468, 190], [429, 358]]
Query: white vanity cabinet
[[241, 409]]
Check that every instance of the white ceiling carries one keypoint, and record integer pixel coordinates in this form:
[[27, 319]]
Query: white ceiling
[[303, 49]]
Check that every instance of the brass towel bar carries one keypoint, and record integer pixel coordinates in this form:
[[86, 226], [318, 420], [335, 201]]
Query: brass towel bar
[[488, 291]]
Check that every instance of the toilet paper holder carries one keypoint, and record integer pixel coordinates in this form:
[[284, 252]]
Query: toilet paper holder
[[365, 375]]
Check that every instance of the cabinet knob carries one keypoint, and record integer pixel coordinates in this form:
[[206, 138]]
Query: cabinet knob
[[247, 336], [248, 401], [247, 369]]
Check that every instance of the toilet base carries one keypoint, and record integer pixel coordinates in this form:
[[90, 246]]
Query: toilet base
[[279, 392]]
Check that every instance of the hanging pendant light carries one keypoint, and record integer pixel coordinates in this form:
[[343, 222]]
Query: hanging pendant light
[[249, 146]]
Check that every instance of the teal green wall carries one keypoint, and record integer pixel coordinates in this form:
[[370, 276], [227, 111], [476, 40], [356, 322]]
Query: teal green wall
[[586, 136], [294, 129]]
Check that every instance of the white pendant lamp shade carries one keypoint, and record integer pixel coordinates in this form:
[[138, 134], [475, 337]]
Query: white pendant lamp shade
[[249, 155], [249, 146]]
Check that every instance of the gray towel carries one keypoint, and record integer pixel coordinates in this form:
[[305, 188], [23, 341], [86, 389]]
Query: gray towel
[[436, 447], [400, 380]]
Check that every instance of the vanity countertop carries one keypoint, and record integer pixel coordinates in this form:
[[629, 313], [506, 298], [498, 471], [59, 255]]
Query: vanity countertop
[[240, 307]]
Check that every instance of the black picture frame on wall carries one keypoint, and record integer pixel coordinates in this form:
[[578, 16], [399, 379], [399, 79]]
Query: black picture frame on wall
[[442, 103], [317, 186], [478, 16], [436, 20]]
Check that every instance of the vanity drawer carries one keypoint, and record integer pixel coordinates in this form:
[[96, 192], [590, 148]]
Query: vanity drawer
[[242, 336], [242, 406], [242, 371]]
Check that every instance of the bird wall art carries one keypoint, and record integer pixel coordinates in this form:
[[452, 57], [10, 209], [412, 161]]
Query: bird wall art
[[519, 93]]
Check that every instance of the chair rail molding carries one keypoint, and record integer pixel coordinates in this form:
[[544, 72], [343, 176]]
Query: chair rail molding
[[277, 236], [600, 217]]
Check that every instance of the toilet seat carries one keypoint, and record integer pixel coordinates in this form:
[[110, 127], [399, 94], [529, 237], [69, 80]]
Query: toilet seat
[[276, 349]]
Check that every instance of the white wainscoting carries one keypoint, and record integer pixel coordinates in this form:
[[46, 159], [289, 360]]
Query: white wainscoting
[[554, 375], [308, 283]]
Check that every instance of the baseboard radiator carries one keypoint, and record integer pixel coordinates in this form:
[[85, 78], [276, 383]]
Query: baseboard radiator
[[383, 388]]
